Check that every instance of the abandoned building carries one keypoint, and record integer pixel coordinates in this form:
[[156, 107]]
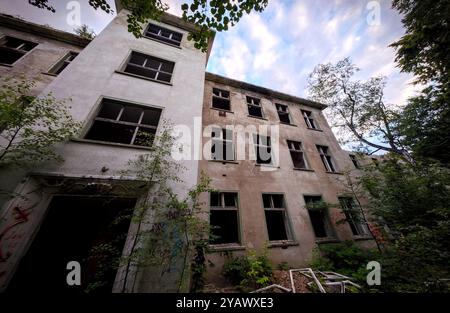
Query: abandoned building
[[121, 89]]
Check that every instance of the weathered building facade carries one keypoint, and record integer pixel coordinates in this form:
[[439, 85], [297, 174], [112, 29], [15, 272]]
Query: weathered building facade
[[122, 88]]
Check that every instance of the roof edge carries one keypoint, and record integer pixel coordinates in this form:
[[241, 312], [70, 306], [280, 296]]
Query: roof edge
[[44, 31], [262, 90]]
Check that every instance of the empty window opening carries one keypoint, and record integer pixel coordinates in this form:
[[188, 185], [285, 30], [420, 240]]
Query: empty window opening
[[12, 49], [75, 228], [163, 34], [297, 154], [222, 144], [254, 107], [276, 217], [354, 216], [318, 216], [326, 158], [147, 66], [283, 113], [221, 99], [354, 160], [309, 120], [224, 219], [263, 149], [62, 64], [124, 123]]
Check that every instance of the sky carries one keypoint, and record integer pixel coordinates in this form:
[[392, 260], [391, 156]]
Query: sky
[[281, 46]]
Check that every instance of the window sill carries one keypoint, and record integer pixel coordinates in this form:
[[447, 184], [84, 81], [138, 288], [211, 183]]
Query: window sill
[[327, 240], [162, 42], [288, 124], [143, 77], [361, 238], [225, 247], [49, 74], [6, 64], [336, 173], [316, 129], [257, 117], [266, 165], [303, 169], [106, 143], [282, 244], [222, 110], [224, 161]]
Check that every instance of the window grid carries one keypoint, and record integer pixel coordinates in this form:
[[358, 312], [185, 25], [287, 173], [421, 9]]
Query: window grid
[[12, 49], [227, 221], [326, 158], [309, 120], [150, 67], [63, 63], [283, 113], [222, 141], [221, 99], [297, 154], [283, 231], [164, 34], [262, 145], [353, 216], [254, 107]]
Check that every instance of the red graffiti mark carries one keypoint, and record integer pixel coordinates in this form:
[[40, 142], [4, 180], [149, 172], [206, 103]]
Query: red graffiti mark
[[20, 217]]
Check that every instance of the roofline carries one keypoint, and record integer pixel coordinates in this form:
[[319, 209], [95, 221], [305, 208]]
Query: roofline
[[41, 30], [262, 90]]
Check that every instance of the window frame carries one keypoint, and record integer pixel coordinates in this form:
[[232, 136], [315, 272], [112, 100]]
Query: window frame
[[60, 64], [157, 37], [99, 106], [3, 40], [354, 160], [223, 140], [222, 207], [327, 222], [256, 145], [126, 62], [221, 97], [327, 159], [287, 112], [252, 104], [360, 227], [310, 121], [291, 150], [286, 219]]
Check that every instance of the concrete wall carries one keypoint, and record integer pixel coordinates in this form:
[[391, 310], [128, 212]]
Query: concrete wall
[[250, 182]]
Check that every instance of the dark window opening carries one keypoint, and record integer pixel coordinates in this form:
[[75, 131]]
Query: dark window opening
[[319, 218], [224, 218], [12, 49], [354, 216], [221, 99], [61, 65], [254, 107], [354, 160], [120, 122], [150, 67], [297, 155], [283, 113], [276, 217], [326, 158], [163, 34], [263, 149], [74, 229], [309, 120], [222, 145]]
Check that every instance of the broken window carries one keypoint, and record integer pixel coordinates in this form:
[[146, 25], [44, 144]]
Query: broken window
[[12, 49], [62, 64], [221, 99], [147, 66], [222, 144], [283, 113], [354, 216], [297, 154], [354, 160], [326, 158], [125, 123], [276, 217], [263, 149], [254, 107], [163, 34], [318, 215], [224, 219], [309, 120]]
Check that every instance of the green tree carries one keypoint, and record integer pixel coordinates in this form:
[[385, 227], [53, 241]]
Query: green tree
[[424, 51], [357, 108], [31, 126], [85, 32], [208, 16]]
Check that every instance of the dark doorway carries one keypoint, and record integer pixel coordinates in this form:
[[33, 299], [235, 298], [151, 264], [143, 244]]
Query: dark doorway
[[90, 230]]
